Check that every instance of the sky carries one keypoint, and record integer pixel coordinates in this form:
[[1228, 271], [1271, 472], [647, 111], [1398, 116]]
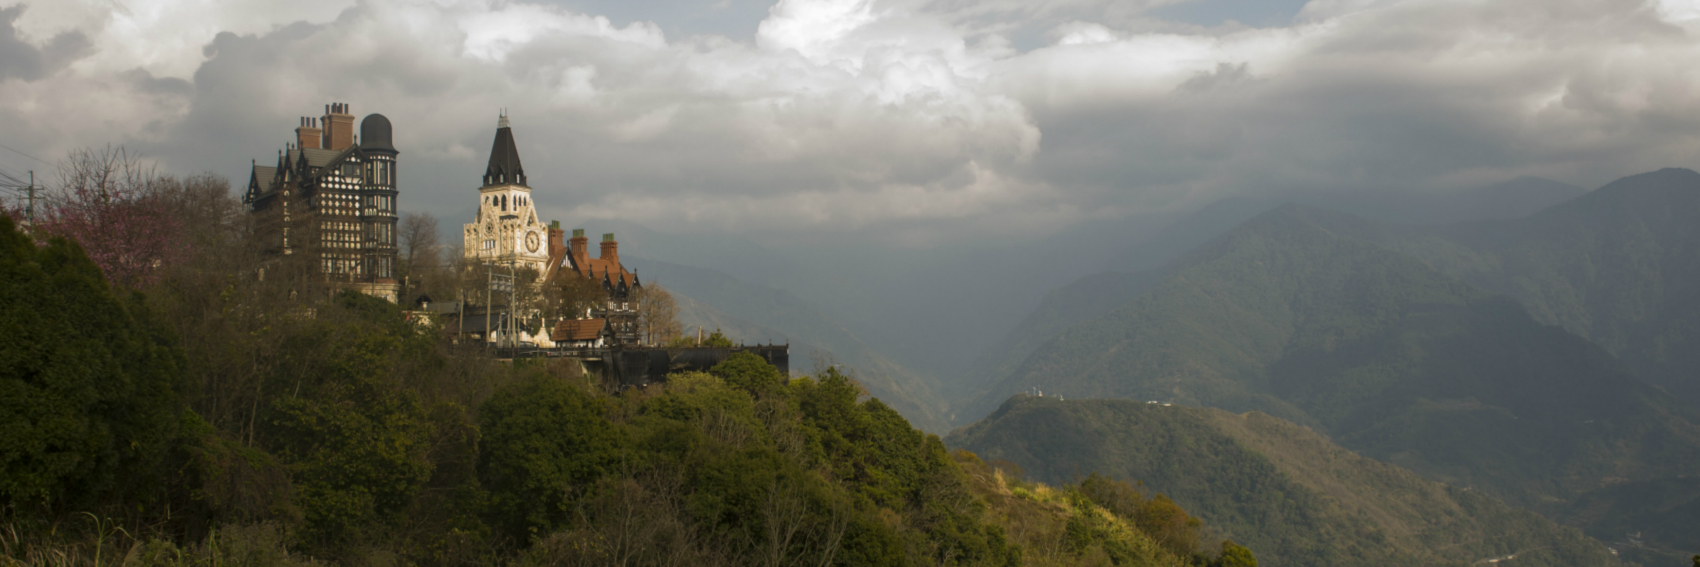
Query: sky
[[911, 123]]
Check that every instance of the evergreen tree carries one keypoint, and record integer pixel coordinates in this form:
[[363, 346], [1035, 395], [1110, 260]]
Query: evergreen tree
[[91, 392]]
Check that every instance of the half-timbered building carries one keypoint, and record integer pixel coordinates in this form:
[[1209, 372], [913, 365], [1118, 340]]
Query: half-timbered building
[[331, 197]]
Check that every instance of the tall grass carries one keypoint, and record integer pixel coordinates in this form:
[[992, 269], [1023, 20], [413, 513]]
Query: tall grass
[[106, 544]]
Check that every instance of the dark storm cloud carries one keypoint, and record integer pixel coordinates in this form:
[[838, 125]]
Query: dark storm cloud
[[20, 59], [874, 117], [1413, 95]]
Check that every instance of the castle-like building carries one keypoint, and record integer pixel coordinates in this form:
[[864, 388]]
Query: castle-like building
[[505, 230], [331, 197]]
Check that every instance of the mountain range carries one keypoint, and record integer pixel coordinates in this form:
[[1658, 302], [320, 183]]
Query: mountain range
[[1545, 360]]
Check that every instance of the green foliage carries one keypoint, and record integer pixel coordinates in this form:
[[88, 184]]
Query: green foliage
[[1063, 525], [352, 438], [1234, 555], [1167, 523], [91, 390], [543, 440], [343, 434], [775, 472], [717, 339], [749, 372]]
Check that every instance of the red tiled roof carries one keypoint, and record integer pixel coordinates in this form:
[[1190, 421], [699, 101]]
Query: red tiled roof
[[614, 270], [577, 330]]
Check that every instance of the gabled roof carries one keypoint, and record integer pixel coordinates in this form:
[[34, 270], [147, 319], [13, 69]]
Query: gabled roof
[[599, 268], [578, 330], [260, 180], [319, 157]]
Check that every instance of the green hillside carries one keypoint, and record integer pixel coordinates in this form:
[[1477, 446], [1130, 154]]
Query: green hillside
[[376, 441], [1280, 488], [1388, 356]]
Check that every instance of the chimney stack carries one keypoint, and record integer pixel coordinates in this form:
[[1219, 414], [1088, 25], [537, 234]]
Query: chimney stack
[[308, 133], [610, 249], [578, 245], [556, 247], [338, 127]]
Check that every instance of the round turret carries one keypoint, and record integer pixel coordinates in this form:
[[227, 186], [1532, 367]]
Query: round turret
[[375, 133]]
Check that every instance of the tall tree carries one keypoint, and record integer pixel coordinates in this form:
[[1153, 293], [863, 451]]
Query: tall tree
[[421, 255], [658, 314], [91, 390], [569, 295]]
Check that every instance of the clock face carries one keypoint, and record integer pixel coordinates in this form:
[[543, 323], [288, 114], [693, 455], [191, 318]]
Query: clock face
[[531, 241]]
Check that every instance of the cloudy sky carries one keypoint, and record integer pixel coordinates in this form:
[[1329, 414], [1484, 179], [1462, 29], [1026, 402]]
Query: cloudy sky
[[913, 121]]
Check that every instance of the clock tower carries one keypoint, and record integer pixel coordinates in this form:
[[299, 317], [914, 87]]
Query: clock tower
[[506, 227]]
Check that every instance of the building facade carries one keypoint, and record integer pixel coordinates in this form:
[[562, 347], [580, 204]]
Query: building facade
[[330, 201], [505, 231]]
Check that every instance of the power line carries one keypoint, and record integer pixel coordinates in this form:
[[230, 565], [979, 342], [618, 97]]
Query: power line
[[25, 155]]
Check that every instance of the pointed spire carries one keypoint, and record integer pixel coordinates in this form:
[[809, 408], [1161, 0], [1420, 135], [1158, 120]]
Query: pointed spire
[[504, 168]]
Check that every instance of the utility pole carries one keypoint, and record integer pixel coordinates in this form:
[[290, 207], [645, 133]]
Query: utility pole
[[490, 284], [29, 208], [508, 313]]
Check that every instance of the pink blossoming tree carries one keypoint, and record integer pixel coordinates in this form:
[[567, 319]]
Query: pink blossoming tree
[[110, 203]]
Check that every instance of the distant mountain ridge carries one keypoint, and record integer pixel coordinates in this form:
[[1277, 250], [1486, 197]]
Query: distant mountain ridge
[[1511, 199], [1387, 355], [1619, 266], [1281, 489]]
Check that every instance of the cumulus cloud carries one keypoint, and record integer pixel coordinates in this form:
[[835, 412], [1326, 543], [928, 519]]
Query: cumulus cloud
[[843, 116]]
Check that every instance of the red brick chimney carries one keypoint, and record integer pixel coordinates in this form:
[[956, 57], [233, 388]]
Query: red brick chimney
[[307, 135], [556, 247], [578, 244], [339, 127], [610, 250]]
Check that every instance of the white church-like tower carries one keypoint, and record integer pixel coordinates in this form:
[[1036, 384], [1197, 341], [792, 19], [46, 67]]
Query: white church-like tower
[[506, 228]]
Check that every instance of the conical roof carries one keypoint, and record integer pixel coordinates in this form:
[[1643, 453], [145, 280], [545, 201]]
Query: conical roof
[[504, 168]]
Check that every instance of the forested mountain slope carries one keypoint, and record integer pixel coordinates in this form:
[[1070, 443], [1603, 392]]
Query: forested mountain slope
[[1619, 266], [1280, 488], [1388, 356]]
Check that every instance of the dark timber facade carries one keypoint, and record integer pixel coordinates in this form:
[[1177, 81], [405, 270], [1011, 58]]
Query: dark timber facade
[[330, 201]]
